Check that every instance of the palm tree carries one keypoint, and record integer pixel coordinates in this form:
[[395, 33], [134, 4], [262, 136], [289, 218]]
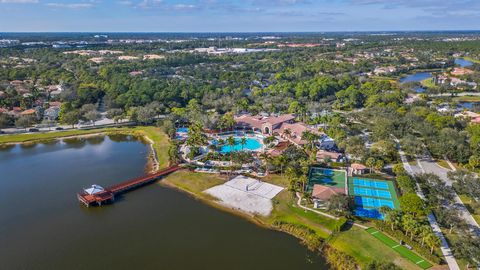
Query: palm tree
[[266, 158], [231, 143], [370, 163], [303, 180], [408, 223], [281, 161], [425, 230], [243, 142], [287, 132], [432, 241]]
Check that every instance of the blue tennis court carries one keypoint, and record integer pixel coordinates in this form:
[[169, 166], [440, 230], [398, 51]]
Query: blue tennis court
[[372, 192], [370, 183], [368, 213], [372, 202]]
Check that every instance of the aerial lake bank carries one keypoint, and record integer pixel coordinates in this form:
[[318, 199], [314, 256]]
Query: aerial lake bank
[[149, 228], [286, 217]]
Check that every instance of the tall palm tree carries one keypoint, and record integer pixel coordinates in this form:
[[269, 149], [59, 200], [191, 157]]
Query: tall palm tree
[[287, 132], [231, 143], [266, 158], [243, 142], [425, 230], [281, 161], [432, 241]]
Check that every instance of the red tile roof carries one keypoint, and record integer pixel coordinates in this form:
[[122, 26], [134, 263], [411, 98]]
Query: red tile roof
[[358, 166], [324, 193]]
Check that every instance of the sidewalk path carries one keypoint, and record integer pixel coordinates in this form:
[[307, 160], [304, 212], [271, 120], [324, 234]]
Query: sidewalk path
[[428, 165], [299, 203], [445, 248]]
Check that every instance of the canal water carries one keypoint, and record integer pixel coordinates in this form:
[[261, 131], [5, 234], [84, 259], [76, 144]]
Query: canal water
[[42, 226]]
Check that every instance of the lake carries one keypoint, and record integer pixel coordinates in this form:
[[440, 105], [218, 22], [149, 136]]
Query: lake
[[416, 77], [462, 62], [42, 225]]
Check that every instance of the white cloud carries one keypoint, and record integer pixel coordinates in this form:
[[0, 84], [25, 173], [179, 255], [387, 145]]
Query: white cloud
[[18, 1], [71, 5]]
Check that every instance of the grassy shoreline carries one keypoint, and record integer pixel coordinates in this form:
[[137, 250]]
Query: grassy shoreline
[[354, 242], [153, 136]]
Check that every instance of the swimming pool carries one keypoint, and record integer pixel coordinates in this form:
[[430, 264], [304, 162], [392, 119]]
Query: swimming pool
[[251, 144], [182, 130]]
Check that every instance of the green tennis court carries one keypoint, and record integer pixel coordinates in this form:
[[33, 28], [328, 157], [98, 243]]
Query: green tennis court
[[326, 177], [405, 252]]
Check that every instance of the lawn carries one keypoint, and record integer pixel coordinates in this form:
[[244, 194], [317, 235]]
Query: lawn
[[402, 250], [443, 163], [193, 182], [364, 248], [428, 83], [467, 99], [472, 206], [31, 137]]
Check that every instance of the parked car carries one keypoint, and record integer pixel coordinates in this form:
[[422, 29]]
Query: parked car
[[33, 130], [58, 128]]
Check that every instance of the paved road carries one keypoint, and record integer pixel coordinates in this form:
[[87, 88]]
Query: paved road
[[444, 247], [461, 94], [426, 164]]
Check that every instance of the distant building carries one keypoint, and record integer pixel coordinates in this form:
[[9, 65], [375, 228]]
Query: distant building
[[51, 113]]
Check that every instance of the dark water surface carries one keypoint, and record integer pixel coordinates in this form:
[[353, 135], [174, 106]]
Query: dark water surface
[[42, 226]]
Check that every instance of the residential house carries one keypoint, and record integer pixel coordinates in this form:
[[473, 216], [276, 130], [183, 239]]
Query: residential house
[[51, 113]]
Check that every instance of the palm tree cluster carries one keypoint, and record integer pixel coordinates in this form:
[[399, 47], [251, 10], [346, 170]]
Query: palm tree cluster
[[417, 230]]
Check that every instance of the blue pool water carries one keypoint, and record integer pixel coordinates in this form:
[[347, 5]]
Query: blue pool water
[[250, 145], [182, 130]]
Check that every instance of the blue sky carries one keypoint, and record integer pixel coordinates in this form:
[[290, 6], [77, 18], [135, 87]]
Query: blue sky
[[237, 15]]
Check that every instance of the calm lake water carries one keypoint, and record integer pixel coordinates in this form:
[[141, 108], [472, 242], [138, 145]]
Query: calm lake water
[[416, 77], [42, 226], [462, 62]]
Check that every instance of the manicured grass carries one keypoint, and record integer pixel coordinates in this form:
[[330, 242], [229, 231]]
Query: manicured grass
[[39, 136], [193, 182], [364, 248], [472, 206], [405, 252], [467, 99], [443, 163], [355, 242], [428, 83], [160, 142]]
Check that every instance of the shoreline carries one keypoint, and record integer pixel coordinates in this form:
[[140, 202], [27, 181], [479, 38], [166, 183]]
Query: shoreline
[[152, 164], [246, 216]]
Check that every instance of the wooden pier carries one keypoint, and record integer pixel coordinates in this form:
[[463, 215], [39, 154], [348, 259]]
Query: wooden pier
[[107, 195]]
